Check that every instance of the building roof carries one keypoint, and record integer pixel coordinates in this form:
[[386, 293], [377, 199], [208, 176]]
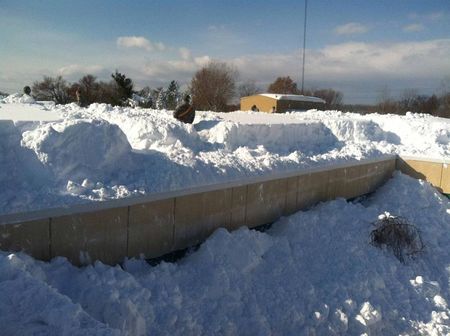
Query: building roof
[[293, 97]]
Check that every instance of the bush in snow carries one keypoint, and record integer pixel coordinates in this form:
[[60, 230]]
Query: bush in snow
[[398, 236]]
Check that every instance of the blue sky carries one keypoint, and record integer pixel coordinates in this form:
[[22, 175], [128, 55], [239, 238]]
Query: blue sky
[[360, 47]]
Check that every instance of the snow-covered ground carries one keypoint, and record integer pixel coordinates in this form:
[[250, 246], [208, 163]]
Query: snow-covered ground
[[52, 156], [313, 273]]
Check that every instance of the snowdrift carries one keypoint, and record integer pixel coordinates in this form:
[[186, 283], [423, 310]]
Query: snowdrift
[[63, 155], [311, 273]]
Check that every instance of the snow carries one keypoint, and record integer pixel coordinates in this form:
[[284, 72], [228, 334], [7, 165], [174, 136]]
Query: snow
[[313, 273], [22, 107], [293, 97], [53, 156]]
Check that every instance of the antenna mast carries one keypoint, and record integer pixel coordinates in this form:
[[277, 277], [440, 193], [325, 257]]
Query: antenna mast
[[304, 47]]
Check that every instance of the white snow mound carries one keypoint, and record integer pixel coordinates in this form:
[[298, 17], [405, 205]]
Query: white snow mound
[[81, 149], [313, 273], [103, 152]]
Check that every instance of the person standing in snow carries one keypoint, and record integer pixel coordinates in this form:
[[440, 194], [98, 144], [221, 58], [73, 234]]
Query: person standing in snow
[[185, 112]]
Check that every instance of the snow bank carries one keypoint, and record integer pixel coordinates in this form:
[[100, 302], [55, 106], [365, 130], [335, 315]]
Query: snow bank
[[19, 98], [308, 137], [21, 107], [312, 273], [103, 152], [81, 149], [22, 176]]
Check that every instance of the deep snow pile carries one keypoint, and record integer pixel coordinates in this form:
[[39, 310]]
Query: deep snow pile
[[101, 152], [313, 273]]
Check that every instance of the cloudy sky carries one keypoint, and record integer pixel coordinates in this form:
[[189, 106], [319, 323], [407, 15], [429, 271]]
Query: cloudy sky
[[360, 47]]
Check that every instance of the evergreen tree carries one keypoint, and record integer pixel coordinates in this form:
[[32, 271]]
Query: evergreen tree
[[161, 100], [124, 86], [147, 95], [172, 95]]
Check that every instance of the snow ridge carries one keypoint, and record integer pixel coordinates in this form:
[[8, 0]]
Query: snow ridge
[[311, 273]]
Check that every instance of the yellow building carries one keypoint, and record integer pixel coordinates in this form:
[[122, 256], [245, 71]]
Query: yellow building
[[280, 103]]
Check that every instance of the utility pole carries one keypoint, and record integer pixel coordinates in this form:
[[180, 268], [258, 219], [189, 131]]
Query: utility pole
[[304, 48]]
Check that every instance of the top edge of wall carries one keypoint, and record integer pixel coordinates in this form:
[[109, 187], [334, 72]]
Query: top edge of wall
[[125, 202], [425, 159]]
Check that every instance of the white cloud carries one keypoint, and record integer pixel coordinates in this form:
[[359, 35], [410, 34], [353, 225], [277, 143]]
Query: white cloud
[[351, 28], [139, 42], [181, 70], [347, 62], [159, 46], [433, 16], [185, 53], [202, 60], [357, 60], [401, 60], [223, 38], [75, 69], [413, 28]]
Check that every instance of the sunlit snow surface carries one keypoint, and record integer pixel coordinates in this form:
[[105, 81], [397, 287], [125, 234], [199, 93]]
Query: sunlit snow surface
[[52, 156], [313, 273]]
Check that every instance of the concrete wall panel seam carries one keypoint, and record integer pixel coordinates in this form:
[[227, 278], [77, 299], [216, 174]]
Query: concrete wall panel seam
[[128, 232], [50, 252], [174, 222]]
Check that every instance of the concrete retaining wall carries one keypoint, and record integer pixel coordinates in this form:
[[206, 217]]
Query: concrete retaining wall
[[155, 225], [437, 172]]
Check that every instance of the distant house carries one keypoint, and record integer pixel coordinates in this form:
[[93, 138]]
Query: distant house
[[265, 102]]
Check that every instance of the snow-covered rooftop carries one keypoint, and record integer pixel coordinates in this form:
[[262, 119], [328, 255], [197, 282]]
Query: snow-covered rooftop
[[293, 97]]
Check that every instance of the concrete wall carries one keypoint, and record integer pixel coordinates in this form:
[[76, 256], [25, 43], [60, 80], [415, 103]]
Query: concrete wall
[[434, 171], [152, 226]]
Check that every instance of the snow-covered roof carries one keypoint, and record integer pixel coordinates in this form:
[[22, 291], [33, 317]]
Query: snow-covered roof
[[293, 97]]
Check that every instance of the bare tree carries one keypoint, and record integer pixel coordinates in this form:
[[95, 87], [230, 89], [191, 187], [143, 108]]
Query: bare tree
[[444, 106], [332, 97], [88, 89], [283, 85], [248, 88], [443, 109], [54, 89], [408, 100], [213, 86], [385, 102]]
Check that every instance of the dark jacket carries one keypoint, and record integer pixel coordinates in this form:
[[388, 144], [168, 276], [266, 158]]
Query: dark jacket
[[185, 113]]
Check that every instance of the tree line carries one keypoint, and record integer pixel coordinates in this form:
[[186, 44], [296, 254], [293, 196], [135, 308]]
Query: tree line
[[411, 100], [214, 87]]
